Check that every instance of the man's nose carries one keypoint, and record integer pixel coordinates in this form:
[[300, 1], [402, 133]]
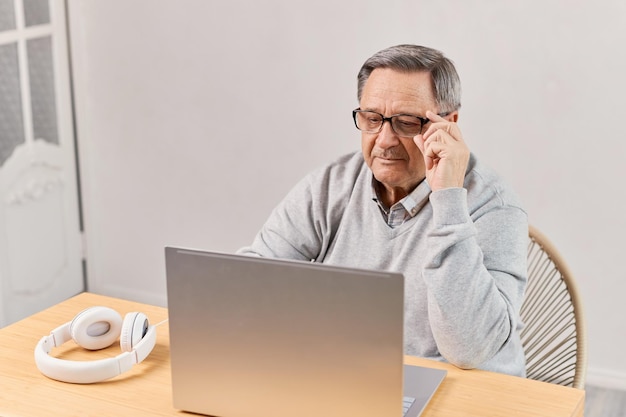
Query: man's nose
[[387, 138]]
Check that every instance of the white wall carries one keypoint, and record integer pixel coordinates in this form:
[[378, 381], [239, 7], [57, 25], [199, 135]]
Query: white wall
[[191, 123]]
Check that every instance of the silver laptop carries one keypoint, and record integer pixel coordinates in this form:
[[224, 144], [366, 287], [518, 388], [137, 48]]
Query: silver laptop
[[258, 337]]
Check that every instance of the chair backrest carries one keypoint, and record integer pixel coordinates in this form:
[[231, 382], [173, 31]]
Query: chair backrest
[[554, 334]]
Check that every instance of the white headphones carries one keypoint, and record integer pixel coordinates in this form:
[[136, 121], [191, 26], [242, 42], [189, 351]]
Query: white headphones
[[97, 328]]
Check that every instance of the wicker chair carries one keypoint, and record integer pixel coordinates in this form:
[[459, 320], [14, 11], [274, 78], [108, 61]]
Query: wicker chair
[[554, 334]]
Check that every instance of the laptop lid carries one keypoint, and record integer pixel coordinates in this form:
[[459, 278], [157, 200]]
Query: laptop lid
[[254, 336]]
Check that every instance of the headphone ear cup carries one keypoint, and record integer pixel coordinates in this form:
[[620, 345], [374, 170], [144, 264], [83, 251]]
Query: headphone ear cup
[[96, 327], [134, 329]]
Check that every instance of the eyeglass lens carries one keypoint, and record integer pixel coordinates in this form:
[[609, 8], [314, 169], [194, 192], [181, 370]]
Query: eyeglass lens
[[403, 125]]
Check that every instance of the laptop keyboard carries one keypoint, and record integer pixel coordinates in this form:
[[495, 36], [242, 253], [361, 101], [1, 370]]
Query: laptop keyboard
[[407, 402]]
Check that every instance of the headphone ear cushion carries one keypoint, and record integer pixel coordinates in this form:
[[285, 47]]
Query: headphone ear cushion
[[96, 327], [134, 329]]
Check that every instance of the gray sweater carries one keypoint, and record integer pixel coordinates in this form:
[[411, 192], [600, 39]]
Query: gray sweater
[[463, 256]]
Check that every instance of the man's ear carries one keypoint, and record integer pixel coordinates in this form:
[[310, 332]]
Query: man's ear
[[453, 117]]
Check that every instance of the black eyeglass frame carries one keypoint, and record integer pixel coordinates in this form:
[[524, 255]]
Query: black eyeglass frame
[[423, 121]]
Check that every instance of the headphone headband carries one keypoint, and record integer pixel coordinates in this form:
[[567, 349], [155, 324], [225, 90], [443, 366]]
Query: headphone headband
[[81, 330]]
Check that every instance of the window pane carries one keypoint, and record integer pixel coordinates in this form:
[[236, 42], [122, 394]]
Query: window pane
[[11, 123], [36, 12], [7, 15], [42, 97]]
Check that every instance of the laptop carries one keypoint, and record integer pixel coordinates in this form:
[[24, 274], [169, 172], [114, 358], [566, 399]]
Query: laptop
[[252, 336]]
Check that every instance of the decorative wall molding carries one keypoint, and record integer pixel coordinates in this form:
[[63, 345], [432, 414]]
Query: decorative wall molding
[[34, 189]]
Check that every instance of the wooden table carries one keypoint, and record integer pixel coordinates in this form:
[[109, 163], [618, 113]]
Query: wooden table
[[146, 390]]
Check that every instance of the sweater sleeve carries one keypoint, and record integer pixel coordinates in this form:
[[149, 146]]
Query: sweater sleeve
[[476, 275], [303, 225], [290, 232]]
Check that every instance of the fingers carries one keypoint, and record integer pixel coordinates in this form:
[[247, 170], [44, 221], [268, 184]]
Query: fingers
[[419, 141], [434, 117], [441, 140], [428, 153], [440, 125], [430, 145]]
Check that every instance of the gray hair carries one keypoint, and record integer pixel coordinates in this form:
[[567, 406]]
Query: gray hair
[[415, 58]]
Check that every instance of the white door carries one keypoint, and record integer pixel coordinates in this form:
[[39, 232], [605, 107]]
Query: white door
[[40, 238]]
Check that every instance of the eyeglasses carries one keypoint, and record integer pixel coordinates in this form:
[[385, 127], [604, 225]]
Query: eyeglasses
[[405, 125]]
